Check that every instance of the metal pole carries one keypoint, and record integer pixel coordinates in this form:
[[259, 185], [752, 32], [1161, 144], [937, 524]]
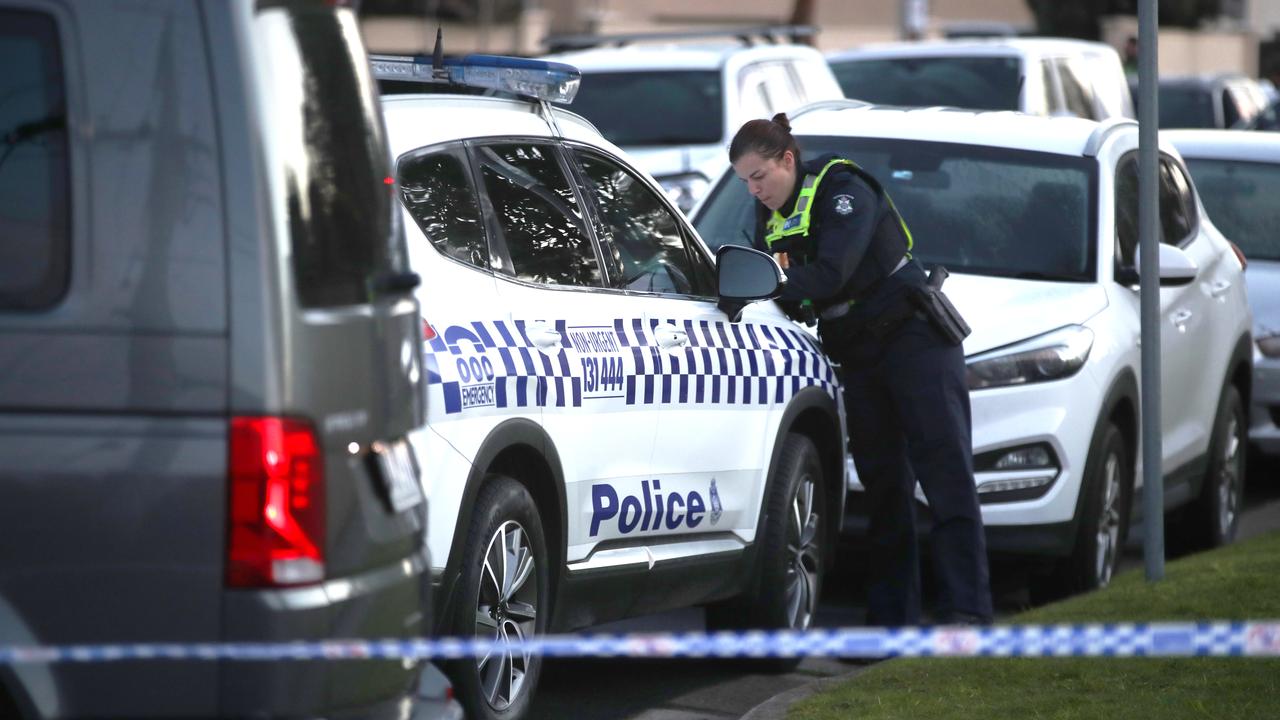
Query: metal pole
[[1149, 272]]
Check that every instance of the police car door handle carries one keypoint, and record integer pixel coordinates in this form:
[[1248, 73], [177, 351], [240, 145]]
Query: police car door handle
[[1219, 288], [670, 336], [544, 337], [1181, 317]]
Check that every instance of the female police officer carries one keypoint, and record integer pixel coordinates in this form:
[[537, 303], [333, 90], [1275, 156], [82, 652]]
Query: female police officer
[[846, 254]]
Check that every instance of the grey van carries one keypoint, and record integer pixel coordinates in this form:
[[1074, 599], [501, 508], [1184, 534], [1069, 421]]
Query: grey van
[[208, 358]]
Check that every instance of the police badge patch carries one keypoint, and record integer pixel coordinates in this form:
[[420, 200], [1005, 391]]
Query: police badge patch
[[844, 204]]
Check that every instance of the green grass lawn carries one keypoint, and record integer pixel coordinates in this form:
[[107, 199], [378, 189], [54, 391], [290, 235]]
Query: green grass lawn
[[1241, 582]]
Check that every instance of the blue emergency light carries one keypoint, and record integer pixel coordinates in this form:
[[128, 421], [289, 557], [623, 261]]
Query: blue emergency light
[[537, 79]]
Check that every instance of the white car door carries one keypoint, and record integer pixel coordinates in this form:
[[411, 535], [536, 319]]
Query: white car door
[[577, 338], [1182, 317]]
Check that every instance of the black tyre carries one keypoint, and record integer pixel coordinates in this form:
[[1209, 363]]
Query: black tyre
[[1214, 518], [504, 595], [792, 550], [1103, 526]]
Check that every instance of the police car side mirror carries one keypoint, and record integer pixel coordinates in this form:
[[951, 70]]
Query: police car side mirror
[[743, 276]]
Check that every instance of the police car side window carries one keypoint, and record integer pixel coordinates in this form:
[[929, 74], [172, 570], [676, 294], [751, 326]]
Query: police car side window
[[437, 192], [35, 228], [536, 214], [646, 238]]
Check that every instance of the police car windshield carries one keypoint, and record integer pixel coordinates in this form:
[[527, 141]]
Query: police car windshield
[[977, 210], [653, 108], [978, 83], [1240, 197]]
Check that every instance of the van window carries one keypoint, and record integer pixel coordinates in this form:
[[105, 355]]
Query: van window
[[327, 125], [977, 83], [34, 176], [1078, 97]]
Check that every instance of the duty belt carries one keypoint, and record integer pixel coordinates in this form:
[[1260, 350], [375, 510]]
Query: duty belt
[[839, 310]]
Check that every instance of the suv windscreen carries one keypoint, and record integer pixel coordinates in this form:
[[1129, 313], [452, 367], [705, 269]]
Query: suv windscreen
[[325, 118], [1240, 198], [978, 210], [1186, 106], [683, 107], [978, 83]]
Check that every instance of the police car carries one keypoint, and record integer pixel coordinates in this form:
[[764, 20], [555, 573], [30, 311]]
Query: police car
[[1037, 220], [606, 434]]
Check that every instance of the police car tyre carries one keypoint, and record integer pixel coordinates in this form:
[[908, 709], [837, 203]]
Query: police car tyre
[[792, 549], [1104, 522], [1215, 516], [504, 594]]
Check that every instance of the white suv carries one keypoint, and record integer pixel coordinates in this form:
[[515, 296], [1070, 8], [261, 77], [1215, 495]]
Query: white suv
[[1036, 218], [602, 439], [675, 107], [1038, 76]]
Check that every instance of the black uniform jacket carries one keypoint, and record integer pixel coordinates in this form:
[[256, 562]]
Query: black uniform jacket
[[855, 238]]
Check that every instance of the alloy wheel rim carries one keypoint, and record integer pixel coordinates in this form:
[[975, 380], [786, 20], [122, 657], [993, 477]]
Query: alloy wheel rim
[[803, 557], [1108, 538], [506, 612], [1229, 479]]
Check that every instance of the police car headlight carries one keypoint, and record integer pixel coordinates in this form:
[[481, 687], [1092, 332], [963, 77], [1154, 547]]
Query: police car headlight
[[1052, 356], [1269, 345], [685, 190]]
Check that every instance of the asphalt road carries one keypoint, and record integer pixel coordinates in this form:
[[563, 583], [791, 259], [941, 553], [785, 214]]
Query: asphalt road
[[717, 689]]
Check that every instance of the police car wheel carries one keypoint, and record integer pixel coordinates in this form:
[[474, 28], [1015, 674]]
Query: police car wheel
[[1214, 518], [504, 596], [792, 549], [1104, 522]]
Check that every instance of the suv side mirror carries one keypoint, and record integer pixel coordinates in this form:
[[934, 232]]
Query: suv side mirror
[[1176, 268], [743, 276]]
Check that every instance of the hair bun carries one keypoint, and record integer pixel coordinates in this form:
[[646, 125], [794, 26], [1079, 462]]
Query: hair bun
[[781, 120]]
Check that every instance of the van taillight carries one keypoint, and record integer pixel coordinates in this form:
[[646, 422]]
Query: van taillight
[[276, 510], [428, 332]]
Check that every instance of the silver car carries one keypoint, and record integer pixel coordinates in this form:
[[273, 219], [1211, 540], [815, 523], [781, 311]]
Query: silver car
[[1238, 176], [209, 360]]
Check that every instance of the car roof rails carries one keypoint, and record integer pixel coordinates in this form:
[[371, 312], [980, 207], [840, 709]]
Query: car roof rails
[[747, 35], [835, 104], [541, 81]]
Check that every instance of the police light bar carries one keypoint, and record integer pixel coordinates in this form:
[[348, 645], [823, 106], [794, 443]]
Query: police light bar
[[538, 79]]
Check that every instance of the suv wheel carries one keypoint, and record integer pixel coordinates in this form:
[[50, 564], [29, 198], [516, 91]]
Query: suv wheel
[[792, 550], [504, 597], [1215, 515], [1104, 523]]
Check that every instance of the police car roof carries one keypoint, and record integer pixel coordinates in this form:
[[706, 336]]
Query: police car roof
[[1226, 144], [676, 56], [415, 121], [991, 47], [1060, 135]]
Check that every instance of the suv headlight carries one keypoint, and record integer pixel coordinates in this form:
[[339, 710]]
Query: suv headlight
[[685, 190], [1052, 356], [1269, 345]]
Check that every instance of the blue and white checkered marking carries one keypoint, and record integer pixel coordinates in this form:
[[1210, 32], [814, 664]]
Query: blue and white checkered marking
[[723, 363], [1203, 639]]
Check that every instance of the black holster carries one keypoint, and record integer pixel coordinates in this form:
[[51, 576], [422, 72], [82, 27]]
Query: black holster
[[938, 308]]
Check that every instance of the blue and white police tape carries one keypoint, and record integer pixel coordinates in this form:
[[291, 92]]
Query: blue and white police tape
[[1238, 639]]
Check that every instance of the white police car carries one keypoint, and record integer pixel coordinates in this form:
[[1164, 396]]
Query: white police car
[[1037, 219], [602, 439]]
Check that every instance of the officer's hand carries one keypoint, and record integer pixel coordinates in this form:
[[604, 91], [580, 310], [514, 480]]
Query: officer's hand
[[781, 257]]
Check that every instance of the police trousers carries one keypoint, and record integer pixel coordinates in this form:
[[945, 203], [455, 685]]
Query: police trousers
[[907, 403]]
